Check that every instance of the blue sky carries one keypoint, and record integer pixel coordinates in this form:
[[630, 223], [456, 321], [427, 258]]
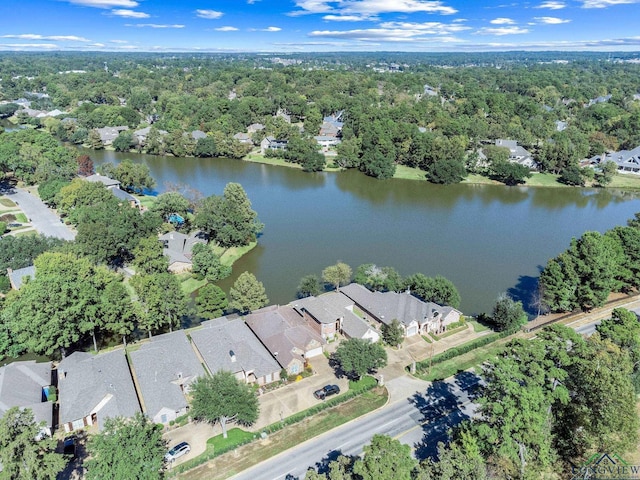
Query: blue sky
[[319, 25]]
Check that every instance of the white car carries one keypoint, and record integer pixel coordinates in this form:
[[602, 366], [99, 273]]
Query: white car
[[176, 452]]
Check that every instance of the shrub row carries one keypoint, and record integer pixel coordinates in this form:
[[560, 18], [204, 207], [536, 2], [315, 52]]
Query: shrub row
[[357, 388], [462, 349]]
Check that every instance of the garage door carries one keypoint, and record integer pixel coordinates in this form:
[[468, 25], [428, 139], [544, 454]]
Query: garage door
[[314, 353]]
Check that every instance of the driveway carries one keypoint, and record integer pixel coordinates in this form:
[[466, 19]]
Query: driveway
[[41, 218]]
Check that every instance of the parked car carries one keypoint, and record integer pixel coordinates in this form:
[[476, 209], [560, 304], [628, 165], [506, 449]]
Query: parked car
[[69, 446], [326, 391], [177, 451]]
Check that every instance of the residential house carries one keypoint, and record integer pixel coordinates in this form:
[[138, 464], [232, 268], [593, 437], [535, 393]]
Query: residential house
[[163, 368], [286, 335], [284, 115], [243, 137], [178, 247], [352, 325], [198, 134], [109, 134], [255, 127], [230, 345], [142, 134], [600, 99], [429, 91], [19, 276], [270, 143], [561, 126], [114, 187], [415, 316], [518, 154], [332, 125], [326, 141], [628, 161], [26, 385], [93, 388]]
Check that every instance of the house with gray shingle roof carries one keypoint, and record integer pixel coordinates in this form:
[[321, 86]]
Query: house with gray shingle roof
[[93, 388], [628, 161], [178, 248], [164, 367], [114, 187], [198, 134], [517, 153], [352, 325], [26, 385], [286, 335], [255, 127], [230, 345], [270, 143], [19, 276], [243, 137], [414, 315], [109, 134]]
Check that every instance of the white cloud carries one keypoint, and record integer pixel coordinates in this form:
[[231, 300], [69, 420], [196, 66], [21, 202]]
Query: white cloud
[[98, 45], [503, 21], [209, 14], [271, 29], [119, 41], [349, 18], [23, 46], [502, 31], [105, 3], [226, 29], [552, 5], [123, 12], [371, 7], [551, 20], [151, 25], [58, 38], [605, 3], [427, 28], [386, 35]]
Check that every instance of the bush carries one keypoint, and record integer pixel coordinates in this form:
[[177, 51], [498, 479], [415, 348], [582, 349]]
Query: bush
[[3, 228]]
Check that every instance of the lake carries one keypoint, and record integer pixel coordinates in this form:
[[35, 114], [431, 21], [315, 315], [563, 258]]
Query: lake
[[487, 239]]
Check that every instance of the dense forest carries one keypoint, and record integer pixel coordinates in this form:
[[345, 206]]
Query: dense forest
[[432, 112]]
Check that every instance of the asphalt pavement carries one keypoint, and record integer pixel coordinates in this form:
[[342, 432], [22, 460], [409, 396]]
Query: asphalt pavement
[[419, 414], [40, 216]]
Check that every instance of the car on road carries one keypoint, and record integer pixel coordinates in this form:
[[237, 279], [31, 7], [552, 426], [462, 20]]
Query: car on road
[[326, 391], [177, 451]]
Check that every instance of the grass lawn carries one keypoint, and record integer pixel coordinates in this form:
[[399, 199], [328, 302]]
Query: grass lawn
[[625, 181], [465, 361], [478, 327], [448, 333], [409, 173], [544, 180], [190, 285], [241, 458], [21, 218], [259, 158], [230, 255], [479, 179], [5, 202], [146, 200]]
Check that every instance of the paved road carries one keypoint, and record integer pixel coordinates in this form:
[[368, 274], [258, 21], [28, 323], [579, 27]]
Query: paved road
[[43, 220], [588, 329], [420, 420]]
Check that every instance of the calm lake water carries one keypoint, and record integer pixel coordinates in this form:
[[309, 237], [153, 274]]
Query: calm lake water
[[486, 239]]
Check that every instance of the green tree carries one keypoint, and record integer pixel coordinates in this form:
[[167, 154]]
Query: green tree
[[510, 173], [247, 294], [133, 177], [456, 461], [336, 275], [309, 286], [572, 175], [357, 357], [23, 455], [207, 265], [508, 314], [127, 448], [377, 278], [211, 301], [124, 141], [605, 176], [433, 289], [392, 333], [49, 190], [229, 220], [223, 398], [162, 301], [170, 202], [81, 193], [148, 256], [447, 171], [385, 458]]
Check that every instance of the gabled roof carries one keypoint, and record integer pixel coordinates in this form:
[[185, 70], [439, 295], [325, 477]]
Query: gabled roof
[[178, 246], [624, 158], [283, 331], [198, 134], [122, 195], [17, 277], [352, 325], [230, 345], [21, 385], [108, 182], [161, 366], [86, 382], [323, 312]]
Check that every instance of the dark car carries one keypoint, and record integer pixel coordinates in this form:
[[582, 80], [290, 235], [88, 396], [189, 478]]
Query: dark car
[[326, 391], [179, 450], [69, 446]]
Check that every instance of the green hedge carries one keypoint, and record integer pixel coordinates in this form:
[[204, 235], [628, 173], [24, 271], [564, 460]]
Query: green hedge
[[355, 388], [462, 349]]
